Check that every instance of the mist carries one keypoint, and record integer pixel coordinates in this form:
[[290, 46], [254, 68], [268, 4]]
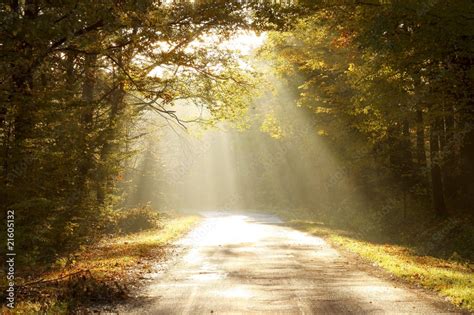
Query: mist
[[279, 160]]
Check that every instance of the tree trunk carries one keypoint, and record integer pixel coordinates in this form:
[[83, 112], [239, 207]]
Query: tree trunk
[[85, 158], [420, 139], [108, 147], [407, 156], [110, 133], [451, 174], [439, 205]]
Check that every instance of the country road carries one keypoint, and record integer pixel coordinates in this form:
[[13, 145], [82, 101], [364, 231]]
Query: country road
[[251, 264]]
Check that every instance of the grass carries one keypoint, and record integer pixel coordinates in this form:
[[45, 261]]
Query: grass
[[451, 279], [103, 272]]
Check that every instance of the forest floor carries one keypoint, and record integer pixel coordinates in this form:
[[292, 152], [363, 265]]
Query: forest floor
[[255, 264], [453, 280], [100, 274]]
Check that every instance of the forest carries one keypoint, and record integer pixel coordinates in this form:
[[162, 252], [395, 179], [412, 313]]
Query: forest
[[356, 114]]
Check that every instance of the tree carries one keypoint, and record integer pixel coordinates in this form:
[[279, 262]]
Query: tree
[[376, 83], [76, 77]]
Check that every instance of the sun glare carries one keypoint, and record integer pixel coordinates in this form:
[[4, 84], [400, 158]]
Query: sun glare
[[245, 42], [242, 44]]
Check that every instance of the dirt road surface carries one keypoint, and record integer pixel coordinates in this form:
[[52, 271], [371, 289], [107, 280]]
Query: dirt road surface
[[251, 264]]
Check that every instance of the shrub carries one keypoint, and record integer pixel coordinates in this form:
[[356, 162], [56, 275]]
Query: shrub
[[137, 219]]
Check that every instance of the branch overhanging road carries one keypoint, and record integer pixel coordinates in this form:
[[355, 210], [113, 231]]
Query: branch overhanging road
[[251, 264]]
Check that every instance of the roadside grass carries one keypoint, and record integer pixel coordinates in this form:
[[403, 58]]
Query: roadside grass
[[102, 273], [451, 279]]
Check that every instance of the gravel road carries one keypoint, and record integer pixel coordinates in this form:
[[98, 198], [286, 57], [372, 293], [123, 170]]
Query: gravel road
[[251, 264]]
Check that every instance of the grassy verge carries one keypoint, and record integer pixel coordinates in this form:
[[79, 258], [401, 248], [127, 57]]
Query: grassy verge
[[102, 273], [451, 279]]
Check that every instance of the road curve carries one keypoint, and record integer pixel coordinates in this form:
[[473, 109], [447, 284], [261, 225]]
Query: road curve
[[250, 264]]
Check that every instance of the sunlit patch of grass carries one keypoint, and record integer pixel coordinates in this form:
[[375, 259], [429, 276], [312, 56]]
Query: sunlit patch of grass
[[451, 279], [119, 260], [114, 254], [27, 308]]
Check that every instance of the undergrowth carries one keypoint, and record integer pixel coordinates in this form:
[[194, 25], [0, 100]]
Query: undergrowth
[[97, 274]]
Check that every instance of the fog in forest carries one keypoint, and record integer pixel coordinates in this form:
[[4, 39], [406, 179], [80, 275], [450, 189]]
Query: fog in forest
[[277, 160]]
